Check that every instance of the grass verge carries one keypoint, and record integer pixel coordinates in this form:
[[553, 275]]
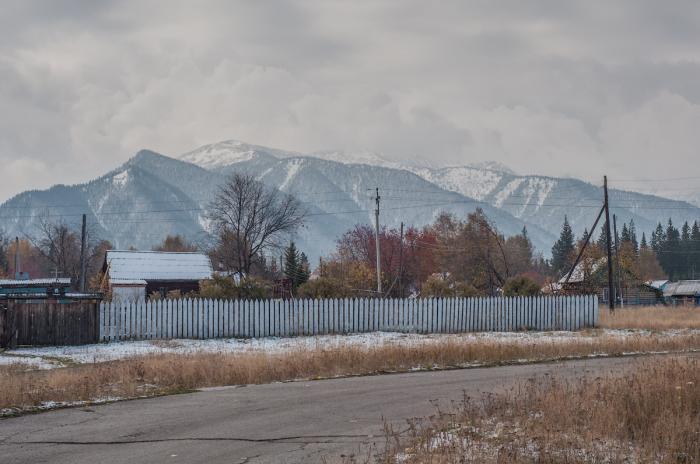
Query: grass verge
[[651, 414], [651, 318], [22, 390]]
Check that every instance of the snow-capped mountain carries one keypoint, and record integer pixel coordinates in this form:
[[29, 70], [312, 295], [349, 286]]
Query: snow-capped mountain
[[153, 195]]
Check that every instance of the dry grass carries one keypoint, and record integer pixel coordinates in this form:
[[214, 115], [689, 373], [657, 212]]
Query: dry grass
[[652, 317], [651, 414], [171, 373]]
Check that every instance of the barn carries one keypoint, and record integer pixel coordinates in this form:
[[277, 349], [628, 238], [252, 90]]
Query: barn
[[134, 275]]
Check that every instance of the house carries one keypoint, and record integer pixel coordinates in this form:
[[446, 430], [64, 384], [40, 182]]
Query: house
[[682, 292], [591, 276], [133, 275]]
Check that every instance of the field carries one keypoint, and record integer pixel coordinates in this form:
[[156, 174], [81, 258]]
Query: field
[[651, 414], [48, 377]]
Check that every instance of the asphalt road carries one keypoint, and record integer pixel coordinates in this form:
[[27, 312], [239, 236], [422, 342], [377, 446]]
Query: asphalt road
[[297, 422]]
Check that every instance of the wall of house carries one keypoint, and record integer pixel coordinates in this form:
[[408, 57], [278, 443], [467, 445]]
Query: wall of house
[[128, 293]]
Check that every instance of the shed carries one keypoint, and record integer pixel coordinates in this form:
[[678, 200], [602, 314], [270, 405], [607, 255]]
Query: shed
[[133, 275], [683, 291]]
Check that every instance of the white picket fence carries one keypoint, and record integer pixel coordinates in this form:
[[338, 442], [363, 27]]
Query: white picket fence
[[200, 318]]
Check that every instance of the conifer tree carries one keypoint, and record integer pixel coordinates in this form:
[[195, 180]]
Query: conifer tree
[[643, 245], [633, 236], [296, 265], [563, 249]]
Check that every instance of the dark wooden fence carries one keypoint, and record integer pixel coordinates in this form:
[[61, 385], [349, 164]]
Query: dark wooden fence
[[48, 322]]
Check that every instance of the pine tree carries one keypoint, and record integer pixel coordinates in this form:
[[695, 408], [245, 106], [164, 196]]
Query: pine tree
[[695, 251], [602, 239], [625, 235], [643, 245], [292, 264], [685, 260], [633, 236], [304, 268], [585, 235], [563, 249], [657, 238], [296, 265], [670, 253]]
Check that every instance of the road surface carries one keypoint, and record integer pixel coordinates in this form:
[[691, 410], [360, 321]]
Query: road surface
[[297, 422]]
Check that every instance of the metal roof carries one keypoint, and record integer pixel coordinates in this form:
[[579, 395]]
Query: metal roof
[[157, 265], [682, 288], [586, 266], [12, 283], [656, 284]]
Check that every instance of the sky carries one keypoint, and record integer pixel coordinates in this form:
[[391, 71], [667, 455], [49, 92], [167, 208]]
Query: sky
[[575, 88]]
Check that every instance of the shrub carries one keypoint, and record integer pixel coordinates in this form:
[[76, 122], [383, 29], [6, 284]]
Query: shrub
[[225, 288], [323, 287], [521, 286]]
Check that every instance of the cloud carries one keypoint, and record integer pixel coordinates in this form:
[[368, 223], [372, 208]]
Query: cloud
[[559, 88]]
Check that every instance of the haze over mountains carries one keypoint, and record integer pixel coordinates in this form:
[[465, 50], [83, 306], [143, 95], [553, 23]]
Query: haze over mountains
[[153, 195]]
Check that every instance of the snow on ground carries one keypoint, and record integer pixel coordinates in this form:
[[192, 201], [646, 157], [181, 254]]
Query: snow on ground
[[48, 357], [28, 362]]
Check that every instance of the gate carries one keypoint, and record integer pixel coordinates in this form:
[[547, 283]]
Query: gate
[[48, 322]]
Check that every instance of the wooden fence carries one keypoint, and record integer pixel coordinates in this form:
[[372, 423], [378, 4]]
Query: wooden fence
[[48, 322], [182, 318]]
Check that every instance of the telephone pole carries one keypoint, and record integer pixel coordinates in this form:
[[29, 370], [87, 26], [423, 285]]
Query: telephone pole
[[376, 241], [617, 261], [18, 264], [401, 263], [611, 287], [82, 254]]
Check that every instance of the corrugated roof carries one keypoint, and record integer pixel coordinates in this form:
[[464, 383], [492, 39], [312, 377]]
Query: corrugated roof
[[682, 288], [157, 265], [585, 266], [656, 284], [128, 282], [34, 282]]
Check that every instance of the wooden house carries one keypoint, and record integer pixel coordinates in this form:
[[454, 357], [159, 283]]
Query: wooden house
[[135, 275]]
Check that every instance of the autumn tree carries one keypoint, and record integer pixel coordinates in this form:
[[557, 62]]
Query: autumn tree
[[249, 218], [175, 243]]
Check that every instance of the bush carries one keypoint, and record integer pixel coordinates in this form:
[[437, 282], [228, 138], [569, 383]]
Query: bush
[[443, 287], [323, 287], [521, 286], [225, 288]]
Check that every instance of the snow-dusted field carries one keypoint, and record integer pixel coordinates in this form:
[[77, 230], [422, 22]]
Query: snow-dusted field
[[50, 357]]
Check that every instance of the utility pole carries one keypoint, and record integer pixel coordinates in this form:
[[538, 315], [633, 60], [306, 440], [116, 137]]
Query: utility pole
[[376, 241], [611, 287], [617, 261], [18, 264], [83, 239], [401, 263]]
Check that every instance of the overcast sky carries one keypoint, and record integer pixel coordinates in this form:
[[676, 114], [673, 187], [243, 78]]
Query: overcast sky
[[564, 88]]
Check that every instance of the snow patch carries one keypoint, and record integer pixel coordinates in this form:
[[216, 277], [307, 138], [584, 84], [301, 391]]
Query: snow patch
[[120, 179], [220, 154], [507, 191], [474, 183], [292, 169], [120, 350]]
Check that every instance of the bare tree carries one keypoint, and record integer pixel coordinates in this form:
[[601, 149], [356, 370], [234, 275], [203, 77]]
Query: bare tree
[[59, 245], [249, 218]]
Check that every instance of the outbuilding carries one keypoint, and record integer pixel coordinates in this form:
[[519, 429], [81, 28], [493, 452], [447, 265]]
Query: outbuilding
[[682, 292], [134, 275]]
